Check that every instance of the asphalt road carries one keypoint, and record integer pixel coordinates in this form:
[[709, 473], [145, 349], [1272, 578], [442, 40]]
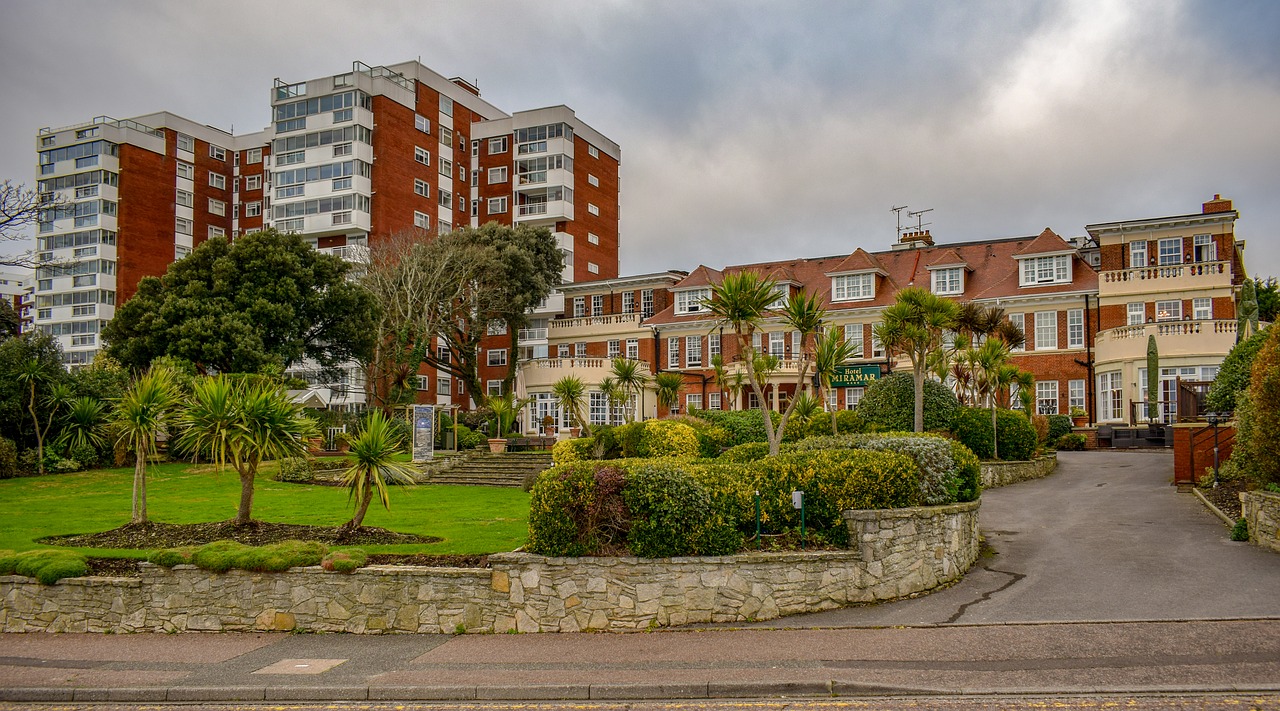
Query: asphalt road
[[1103, 538]]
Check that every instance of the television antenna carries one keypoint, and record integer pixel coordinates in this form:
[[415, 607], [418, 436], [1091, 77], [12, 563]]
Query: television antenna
[[898, 212], [918, 214]]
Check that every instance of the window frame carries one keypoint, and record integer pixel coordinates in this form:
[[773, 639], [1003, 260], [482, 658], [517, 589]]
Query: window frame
[[853, 287], [947, 276]]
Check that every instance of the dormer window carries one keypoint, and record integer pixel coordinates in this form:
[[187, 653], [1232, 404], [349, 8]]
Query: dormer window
[[1039, 271], [852, 287], [783, 292], [949, 281], [692, 301]]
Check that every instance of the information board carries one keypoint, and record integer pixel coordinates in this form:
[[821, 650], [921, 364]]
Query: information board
[[424, 432]]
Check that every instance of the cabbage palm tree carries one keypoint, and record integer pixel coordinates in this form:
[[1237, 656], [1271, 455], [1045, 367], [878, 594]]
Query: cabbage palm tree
[[144, 410], [32, 375], [914, 326], [374, 467], [628, 375], [572, 395], [83, 425], [806, 405], [243, 423], [669, 385], [831, 352]]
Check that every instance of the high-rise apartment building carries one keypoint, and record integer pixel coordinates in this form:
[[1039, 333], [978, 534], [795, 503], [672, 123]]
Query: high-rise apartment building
[[348, 159]]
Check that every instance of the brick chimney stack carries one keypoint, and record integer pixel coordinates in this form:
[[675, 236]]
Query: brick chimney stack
[[1217, 204], [916, 239]]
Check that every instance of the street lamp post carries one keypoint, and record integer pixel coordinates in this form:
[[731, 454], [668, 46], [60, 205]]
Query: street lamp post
[[1215, 419]]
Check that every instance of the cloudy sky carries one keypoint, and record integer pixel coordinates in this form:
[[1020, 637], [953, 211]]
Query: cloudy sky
[[749, 130]]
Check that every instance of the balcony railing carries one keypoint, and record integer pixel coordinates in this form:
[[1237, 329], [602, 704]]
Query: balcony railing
[[1169, 328], [534, 208], [569, 363], [608, 320], [532, 334], [1169, 271]]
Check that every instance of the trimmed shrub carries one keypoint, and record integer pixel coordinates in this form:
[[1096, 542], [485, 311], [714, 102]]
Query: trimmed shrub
[[468, 438], [45, 565], [1072, 442], [1240, 531], [1017, 440], [628, 437], [664, 438], [1041, 425], [889, 404], [847, 422], [169, 557], [85, 454], [221, 556], [968, 472], [557, 495], [741, 425], [938, 481], [296, 470], [673, 515], [745, 453], [8, 459], [573, 450], [345, 561], [1234, 375], [1059, 425], [65, 466], [731, 489], [607, 445]]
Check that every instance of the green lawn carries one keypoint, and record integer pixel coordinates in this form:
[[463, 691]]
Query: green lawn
[[470, 519]]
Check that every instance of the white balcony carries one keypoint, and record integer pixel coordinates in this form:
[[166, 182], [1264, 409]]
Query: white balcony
[[597, 326], [530, 335], [1164, 279], [1174, 339], [542, 373]]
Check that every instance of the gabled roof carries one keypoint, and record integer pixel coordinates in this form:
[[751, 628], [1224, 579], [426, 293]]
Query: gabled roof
[[1047, 243], [859, 261], [948, 258], [702, 276]]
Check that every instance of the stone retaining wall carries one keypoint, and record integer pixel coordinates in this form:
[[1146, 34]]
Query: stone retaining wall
[[894, 553], [1262, 510], [996, 474]]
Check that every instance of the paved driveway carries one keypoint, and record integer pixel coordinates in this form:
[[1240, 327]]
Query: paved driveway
[[1103, 538]]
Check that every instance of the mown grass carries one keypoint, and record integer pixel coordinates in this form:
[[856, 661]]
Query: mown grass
[[469, 519]]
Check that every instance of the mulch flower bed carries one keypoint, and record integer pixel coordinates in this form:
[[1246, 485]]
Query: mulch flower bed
[[1227, 496]]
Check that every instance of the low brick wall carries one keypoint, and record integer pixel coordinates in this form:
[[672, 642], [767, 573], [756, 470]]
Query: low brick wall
[[893, 553], [995, 474], [1262, 510]]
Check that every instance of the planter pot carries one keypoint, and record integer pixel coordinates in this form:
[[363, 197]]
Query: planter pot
[[1081, 421], [574, 432], [497, 445]]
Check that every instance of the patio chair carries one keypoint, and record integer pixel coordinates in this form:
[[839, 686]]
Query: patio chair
[[1105, 435]]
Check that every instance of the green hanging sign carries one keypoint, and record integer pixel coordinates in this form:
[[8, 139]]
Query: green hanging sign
[[855, 376]]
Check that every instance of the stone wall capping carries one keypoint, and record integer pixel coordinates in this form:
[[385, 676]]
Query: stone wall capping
[[997, 474]]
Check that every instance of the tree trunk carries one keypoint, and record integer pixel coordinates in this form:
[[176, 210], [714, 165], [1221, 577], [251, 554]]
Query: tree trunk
[[35, 422], [358, 519], [918, 375], [995, 447], [140, 489], [245, 513]]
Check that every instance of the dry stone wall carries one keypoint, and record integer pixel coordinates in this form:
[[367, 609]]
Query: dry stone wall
[[1262, 510], [996, 474], [893, 553]]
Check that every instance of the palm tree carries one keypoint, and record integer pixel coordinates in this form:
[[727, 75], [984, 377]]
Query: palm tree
[[806, 405], [572, 395], [832, 351], [668, 385], [32, 374], [139, 416], [990, 361], [244, 423], [739, 302], [374, 467], [84, 425], [914, 325], [629, 375], [803, 314]]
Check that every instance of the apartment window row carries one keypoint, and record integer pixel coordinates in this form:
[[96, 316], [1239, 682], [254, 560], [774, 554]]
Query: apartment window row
[[1169, 251], [88, 266], [321, 205], [323, 104], [1171, 310], [77, 239], [76, 298], [73, 328], [77, 180], [315, 139], [78, 151], [322, 172]]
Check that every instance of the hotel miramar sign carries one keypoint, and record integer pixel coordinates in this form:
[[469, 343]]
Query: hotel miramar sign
[[855, 376]]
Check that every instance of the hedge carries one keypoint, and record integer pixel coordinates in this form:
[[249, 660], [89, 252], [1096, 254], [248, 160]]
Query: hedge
[[1234, 374], [1017, 441], [665, 438], [889, 404], [949, 471], [45, 565], [672, 515], [741, 425], [847, 422], [1059, 425]]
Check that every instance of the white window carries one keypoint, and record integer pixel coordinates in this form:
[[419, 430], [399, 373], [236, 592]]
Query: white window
[[1075, 394], [1021, 322], [498, 175], [217, 180], [444, 197], [217, 207], [499, 145], [475, 178], [497, 356], [1110, 396], [690, 301], [1075, 328], [1168, 310], [185, 198], [1205, 249], [180, 251], [593, 151], [782, 293], [475, 208], [853, 335], [253, 209], [186, 170], [494, 387], [877, 348], [182, 226], [778, 344], [633, 348], [1046, 270], [497, 205], [1202, 309], [755, 341], [1046, 330], [692, 401], [186, 143], [948, 281], [646, 303], [252, 156], [1171, 251], [562, 350], [593, 238], [1137, 312], [713, 401], [442, 384], [713, 345], [597, 304], [1138, 254], [421, 219], [692, 351], [593, 180], [852, 396], [593, 267], [446, 105], [579, 306], [422, 155], [853, 286], [593, 209], [628, 302], [422, 188], [445, 166], [795, 344], [217, 153], [215, 231], [253, 182], [673, 352], [580, 349], [1047, 397], [446, 136], [422, 123], [613, 348]]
